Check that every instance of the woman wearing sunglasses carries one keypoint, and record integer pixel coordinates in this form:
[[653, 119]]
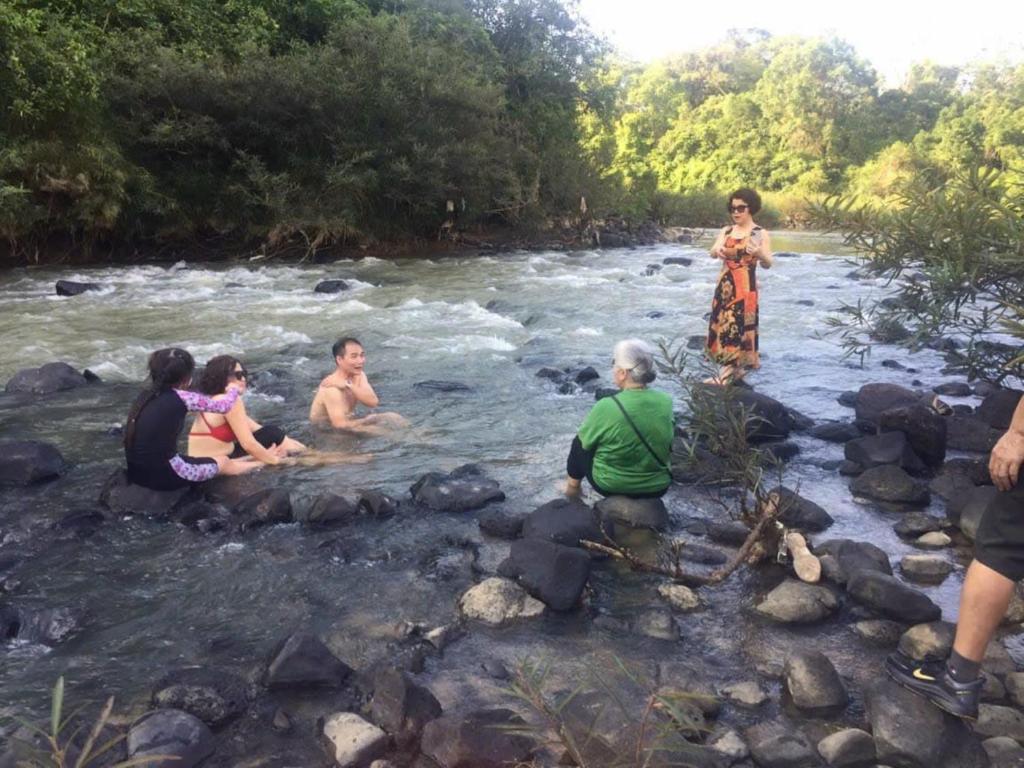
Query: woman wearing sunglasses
[[732, 331], [235, 434]]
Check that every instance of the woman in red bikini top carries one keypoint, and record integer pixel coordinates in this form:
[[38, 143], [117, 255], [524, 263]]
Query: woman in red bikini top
[[235, 434]]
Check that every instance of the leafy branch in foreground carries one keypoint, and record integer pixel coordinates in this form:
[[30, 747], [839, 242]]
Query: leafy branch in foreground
[[614, 717], [953, 250], [62, 747], [718, 451]]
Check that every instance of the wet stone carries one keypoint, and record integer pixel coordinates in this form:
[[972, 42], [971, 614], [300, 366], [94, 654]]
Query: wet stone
[[813, 683], [892, 598], [928, 569], [356, 742], [851, 748], [733, 534], [773, 744], [656, 623], [497, 601], [27, 462], [933, 540], [1004, 752], [213, 696], [794, 602], [890, 483], [563, 521], [745, 694], [836, 431], [480, 739], [635, 513], [180, 737], [303, 661], [928, 641], [461, 490], [879, 631], [681, 597], [915, 524], [996, 720], [500, 523]]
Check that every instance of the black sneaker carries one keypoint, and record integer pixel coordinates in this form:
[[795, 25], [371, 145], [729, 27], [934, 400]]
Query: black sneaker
[[931, 679]]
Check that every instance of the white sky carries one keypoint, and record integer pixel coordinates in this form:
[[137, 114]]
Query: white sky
[[891, 34]]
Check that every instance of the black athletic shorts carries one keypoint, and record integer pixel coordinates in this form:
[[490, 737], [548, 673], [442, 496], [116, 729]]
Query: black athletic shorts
[[999, 543], [265, 436]]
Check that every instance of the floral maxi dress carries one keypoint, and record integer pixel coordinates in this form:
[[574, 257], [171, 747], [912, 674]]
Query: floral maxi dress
[[732, 331]]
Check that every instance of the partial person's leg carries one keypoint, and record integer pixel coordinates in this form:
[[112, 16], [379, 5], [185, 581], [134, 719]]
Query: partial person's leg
[[983, 602], [577, 466]]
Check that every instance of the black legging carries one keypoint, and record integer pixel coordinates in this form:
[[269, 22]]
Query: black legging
[[580, 464], [265, 436]]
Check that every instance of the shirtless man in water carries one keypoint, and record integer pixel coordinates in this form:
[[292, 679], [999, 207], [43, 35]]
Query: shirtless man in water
[[339, 393]]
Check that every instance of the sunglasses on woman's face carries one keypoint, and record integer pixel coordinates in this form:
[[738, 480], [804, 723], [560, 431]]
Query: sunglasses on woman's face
[[240, 375], [738, 208]]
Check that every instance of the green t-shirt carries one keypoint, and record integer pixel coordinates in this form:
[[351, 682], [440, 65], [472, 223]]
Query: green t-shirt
[[621, 462]]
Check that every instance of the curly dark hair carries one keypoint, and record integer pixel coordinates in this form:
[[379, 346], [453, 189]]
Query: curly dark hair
[[214, 380], [748, 196]]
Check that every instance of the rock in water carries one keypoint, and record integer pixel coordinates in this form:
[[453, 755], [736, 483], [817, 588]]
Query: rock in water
[[836, 432], [47, 379], [886, 448], [480, 739], [843, 558], [635, 513], [271, 506], [928, 569], [997, 408], [798, 512], [892, 598], [852, 748], [401, 707], [924, 428], [329, 509], [793, 602], [775, 744], [73, 288], [551, 572], [931, 640], [26, 462], [213, 696], [890, 483], [497, 601], [563, 521], [356, 742], [873, 400], [123, 498], [182, 738], [443, 386], [463, 489], [303, 661], [331, 286], [813, 683]]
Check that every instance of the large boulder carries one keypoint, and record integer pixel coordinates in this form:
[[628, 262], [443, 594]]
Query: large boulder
[[890, 483], [798, 512], [26, 462], [328, 509], [813, 683], [997, 408], [892, 598], [969, 433], [331, 286], [794, 602], [966, 509], [849, 748], [911, 732], [553, 573], [402, 707], [75, 288], [887, 448], [874, 399], [47, 626], [932, 640], [924, 428], [841, 559], [124, 498], [771, 419], [481, 739], [215, 697], [501, 523], [271, 506], [181, 739], [356, 742], [498, 601], [563, 521], [303, 661], [47, 379], [461, 490], [635, 513]]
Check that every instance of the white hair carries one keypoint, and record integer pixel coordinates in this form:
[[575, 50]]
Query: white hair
[[636, 358]]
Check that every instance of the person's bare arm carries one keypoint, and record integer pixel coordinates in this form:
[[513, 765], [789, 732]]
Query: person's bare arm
[[718, 249], [363, 392], [1008, 455], [239, 421], [338, 412], [764, 252]]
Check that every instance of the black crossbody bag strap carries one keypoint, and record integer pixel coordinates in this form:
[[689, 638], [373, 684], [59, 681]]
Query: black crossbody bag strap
[[661, 462]]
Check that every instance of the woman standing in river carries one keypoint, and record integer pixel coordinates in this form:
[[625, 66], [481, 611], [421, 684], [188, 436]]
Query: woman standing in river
[[732, 331]]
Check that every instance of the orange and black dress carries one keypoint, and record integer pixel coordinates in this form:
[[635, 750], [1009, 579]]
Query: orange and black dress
[[732, 331]]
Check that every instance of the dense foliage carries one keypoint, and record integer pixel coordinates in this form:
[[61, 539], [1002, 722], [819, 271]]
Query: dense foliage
[[301, 123]]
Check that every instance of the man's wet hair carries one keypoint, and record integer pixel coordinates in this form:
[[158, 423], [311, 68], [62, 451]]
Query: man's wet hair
[[339, 346]]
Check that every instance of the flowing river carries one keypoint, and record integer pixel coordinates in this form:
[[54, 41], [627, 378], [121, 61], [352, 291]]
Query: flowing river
[[153, 596]]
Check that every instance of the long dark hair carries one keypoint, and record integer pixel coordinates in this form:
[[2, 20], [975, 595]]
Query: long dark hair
[[214, 379], [167, 368]]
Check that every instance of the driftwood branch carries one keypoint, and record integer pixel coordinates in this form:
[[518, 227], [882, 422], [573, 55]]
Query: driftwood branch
[[677, 573]]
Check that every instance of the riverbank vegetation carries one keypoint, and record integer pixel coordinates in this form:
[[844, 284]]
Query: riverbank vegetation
[[286, 127]]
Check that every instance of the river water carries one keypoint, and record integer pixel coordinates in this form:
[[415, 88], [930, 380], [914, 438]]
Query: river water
[[152, 596]]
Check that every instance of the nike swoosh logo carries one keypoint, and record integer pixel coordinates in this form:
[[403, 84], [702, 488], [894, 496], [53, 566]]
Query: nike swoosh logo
[[922, 676]]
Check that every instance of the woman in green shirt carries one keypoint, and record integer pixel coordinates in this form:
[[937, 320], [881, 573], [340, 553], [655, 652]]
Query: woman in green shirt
[[623, 445]]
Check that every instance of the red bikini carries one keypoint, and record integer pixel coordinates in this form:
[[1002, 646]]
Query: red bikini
[[221, 432]]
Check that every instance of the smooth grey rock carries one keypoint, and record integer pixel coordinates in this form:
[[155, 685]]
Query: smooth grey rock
[[331, 286], [553, 573], [681, 597], [969, 433], [183, 739], [27, 462], [843, 558], [303, 661], [657, 623], [932, 640], [215, 697], [927, 569], [794, 602], [465, 488], [883, 449], [46, 379], [836, 431], [915, 524], [746, 694], [933, 540], [329, 509], [563, 521], [75, 288], [1004, 752], [851, 748], [480, 739], [501, 523], [123, 498], [773, 744], [879, 631], [1015, 687], [798, 512], [892, 598], [356, 742], [890, 483], [271, 506], [996, 720], [813, 683], [497, 601]]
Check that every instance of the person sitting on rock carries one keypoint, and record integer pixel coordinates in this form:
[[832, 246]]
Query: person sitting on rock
[[155, 422], [623, 445], [955, 684], [339, 393], [235, 434]]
